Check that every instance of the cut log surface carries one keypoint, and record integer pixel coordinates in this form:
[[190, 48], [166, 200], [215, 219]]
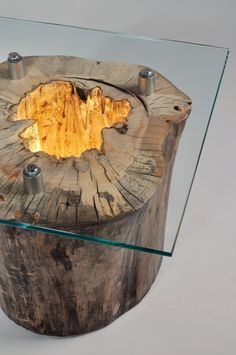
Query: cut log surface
[[116, 187]]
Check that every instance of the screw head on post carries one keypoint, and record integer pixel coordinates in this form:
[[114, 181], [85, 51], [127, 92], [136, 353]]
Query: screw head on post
[[14, 57], [146, 81], [15, 66], [33, 181]]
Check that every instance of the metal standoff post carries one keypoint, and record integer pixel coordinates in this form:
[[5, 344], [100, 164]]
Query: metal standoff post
[[15, 66], [146, 81], [33, 181]]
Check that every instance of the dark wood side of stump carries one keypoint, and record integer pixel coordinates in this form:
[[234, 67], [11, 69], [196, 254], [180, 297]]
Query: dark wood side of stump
[[59, 286]]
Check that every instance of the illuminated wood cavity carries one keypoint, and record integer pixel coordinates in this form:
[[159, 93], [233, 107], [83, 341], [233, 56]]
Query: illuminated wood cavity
[[65, 124]]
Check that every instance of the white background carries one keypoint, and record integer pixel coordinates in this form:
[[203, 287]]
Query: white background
[[191, 308]]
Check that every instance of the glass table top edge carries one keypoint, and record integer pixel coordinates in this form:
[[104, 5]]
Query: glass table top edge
[[122, 34]]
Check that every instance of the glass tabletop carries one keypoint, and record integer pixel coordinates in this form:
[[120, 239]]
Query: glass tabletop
[[195, 69]]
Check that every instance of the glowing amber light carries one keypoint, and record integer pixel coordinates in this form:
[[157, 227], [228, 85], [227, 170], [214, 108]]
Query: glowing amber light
[[65, 125]]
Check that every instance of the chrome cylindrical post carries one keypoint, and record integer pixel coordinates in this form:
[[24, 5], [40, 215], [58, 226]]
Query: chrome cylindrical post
[[15, 66], [33, 181], [146, 81]]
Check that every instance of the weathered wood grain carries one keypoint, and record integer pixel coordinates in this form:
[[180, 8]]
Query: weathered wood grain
[[58, 286]]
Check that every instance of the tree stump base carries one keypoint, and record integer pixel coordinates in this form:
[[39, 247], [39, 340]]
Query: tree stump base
[[106, 155]]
